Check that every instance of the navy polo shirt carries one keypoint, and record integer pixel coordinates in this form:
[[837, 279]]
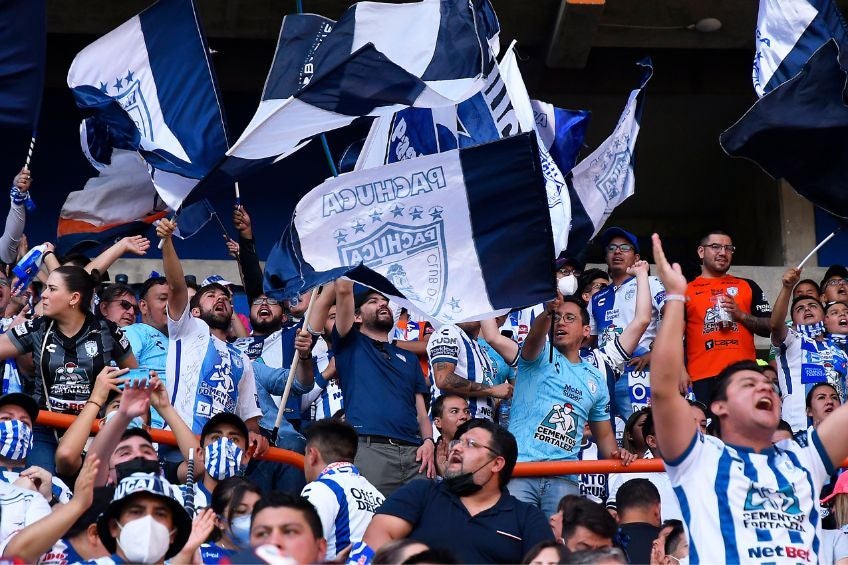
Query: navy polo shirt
[[379, 382], [502, 534]]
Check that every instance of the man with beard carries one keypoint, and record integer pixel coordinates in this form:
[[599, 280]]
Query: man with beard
[[383, 388], [206, 375], [470, 513], [723, 313]]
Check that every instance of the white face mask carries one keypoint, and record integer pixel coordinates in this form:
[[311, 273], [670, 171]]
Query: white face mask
[[144, 540], [681, 560]]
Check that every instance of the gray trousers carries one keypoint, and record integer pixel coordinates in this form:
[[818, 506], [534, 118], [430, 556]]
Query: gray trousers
[[387, 466]]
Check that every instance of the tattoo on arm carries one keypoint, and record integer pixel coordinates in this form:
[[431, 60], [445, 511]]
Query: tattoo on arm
[[454, 383]]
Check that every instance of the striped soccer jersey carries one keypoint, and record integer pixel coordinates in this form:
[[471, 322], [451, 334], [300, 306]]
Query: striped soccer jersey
[[345, 501], [746, 507]]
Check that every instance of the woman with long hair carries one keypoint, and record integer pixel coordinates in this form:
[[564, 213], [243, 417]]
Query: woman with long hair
[[70, 347]]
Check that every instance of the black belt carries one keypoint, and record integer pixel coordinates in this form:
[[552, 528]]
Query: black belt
[[388, 440]]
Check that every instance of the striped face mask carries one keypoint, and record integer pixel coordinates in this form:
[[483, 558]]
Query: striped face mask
[[223, 459], [811, 330], [15, 439]]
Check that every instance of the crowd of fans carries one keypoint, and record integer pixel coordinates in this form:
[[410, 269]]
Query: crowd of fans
[[410, 433]]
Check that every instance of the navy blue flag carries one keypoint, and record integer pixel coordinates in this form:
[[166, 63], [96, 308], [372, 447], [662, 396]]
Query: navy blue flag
[[23, 39], [561, 131], [151, 82], [436, 233], [799, 132], [788, 33]]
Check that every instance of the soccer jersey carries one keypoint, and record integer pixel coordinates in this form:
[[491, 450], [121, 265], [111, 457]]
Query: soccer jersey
[[62, 553], [519, 322], [551, 403], [669, 506], [60, 490], [209, 375], [802, 362], [709, 347], [452, 345], [345, 501], [746, 507], [610, 311], [592, 485], [325, 398], [150, 347], [18, 509], [70, 364]]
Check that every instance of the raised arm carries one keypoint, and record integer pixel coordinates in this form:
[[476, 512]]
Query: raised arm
[[135, 244], [504, 346], [16, 219], [162, 404], [632, 333], [321, 309], [781, 305], [248, 258], [174, 275], [675, 427], [534, 343], [344, 306]]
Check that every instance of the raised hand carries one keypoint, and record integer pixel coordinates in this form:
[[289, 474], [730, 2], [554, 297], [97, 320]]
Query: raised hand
[[165, 228], [23, 180], [136, 244], [670, 275]]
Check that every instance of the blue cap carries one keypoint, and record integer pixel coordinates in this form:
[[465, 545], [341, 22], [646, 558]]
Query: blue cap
[[610, 233]]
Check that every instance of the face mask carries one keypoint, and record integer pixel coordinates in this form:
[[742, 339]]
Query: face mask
[[136, 422], [144, 540], [240, 530], [464, 485], [223, 459], [810, 330], [137, 465], [681, 560], [15, 439], [839, 339]]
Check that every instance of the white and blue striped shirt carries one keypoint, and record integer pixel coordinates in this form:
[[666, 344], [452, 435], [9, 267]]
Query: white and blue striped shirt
[[345, 501], [452, 345], [746, 507]]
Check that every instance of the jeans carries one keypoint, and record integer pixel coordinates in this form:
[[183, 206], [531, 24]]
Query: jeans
[[43, 452], [543, 492]]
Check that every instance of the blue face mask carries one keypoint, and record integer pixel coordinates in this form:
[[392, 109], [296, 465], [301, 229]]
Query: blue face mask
[[136, 422], [240, 530], [223, 459], [811, 330], [15, 439]]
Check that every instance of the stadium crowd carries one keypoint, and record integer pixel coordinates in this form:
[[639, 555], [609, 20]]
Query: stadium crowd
[[410, 433]]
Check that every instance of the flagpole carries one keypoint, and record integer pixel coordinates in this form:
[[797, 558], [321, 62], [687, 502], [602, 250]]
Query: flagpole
[[292, 370], [819, 246], [29, 153], [238, 196]]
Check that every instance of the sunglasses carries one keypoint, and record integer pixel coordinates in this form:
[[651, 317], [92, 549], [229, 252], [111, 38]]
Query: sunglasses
[[268, 301], [126, 305]]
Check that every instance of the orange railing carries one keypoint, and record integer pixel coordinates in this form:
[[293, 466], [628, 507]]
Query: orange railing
[[534, 469]]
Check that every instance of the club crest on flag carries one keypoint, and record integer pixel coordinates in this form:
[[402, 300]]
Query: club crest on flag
[[127, 91], [400, 250], [614, 166]]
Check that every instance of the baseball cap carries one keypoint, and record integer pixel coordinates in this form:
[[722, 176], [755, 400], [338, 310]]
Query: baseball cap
[[145, 483], [22, 400], [571, 262], [361, 294], [841, 487], [216, 279], [833, 271], [614, 232], [224, 418]]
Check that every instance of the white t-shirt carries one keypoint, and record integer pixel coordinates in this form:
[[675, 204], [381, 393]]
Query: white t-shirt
[[345, 501], [449, 344], [206, 375], [745, 507], [18, 509]]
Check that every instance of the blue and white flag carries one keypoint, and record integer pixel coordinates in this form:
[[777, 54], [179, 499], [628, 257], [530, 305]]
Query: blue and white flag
[[436, 233], [23, 43], [788, 33], [799, 132], [606, 177], [151, 81], [561, 131]]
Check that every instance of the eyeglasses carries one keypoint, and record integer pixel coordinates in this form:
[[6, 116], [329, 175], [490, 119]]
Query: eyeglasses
[[468, 443], [716, 247], [126, 305], [266, 300], [623, 247], [599, 286], [835, 282], [569, 318], [566, 271]]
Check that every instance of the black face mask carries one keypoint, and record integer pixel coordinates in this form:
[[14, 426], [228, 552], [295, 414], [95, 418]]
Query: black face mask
[[137, 465], [464, 485]]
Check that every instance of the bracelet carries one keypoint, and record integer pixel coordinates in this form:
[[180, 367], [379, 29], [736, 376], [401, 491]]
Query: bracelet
[[430, 438], [304, 358], [99, 406], [678, 297], [312, 332], [46, 253]]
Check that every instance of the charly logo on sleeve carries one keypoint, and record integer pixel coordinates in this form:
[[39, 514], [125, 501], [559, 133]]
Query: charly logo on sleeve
[[127, 91]]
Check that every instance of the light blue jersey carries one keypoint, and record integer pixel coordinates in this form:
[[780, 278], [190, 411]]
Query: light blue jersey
[[552, 402], [150, 347]]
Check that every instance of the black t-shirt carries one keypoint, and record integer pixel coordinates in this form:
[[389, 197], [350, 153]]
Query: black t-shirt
[[70, 364], [638, 538]]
